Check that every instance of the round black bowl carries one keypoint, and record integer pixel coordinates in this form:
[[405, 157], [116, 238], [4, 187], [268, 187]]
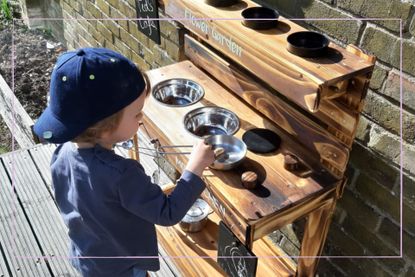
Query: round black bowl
[[260, 18], [221, 3], [307, 44]]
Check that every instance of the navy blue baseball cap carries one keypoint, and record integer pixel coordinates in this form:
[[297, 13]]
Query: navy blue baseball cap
[[87, 85]]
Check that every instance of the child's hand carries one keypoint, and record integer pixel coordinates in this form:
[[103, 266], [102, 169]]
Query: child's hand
[[202, 156]]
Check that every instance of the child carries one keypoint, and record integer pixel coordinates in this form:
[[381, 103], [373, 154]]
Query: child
[[108, 202]]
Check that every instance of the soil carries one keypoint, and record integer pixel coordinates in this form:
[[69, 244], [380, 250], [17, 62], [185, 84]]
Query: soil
[[36, 52]]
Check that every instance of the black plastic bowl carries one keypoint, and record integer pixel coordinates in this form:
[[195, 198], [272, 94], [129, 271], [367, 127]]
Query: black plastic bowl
[[307, 44], [260, 18], [221, 3]]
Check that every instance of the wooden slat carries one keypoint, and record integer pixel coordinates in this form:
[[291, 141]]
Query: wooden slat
[[264, 53], [315, 233], [42, 212], [358, 52], [356, 93], [4, 272], [290, 214], [16, 236], [236, 224], [41, 155], [15, 116], [341, 121], [359, 84], [163, 271], [167, 268]]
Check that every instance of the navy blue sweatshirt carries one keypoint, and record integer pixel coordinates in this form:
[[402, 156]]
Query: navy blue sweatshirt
[[110, 207]]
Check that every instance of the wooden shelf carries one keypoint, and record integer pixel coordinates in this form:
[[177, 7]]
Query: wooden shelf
[[339, 124], [251, 213], [304, 81], [312, 104], [339, 120], [195, 254]]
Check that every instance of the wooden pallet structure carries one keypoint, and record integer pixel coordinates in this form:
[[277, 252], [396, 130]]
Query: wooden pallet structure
[[312, 104]]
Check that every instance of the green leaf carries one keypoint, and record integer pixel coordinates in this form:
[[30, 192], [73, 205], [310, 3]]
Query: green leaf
[[5, 10]]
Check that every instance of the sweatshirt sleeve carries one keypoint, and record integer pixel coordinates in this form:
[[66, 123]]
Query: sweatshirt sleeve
[[143, 198]]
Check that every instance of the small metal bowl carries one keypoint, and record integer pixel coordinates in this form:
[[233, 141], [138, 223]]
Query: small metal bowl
[[235, 151], [177, 92], [196, 217], [207, 121]]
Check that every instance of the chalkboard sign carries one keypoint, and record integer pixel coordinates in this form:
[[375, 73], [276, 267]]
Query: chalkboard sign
[[147, 11], [234, 258]]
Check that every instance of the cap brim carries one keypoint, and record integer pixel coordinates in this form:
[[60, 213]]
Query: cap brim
[[49, 128]]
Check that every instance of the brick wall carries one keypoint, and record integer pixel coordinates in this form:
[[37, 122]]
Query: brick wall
[[52, 9], [90, 23], [367, 218]]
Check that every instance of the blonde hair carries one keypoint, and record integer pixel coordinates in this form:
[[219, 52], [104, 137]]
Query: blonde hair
[[108, 124], [147, 87]]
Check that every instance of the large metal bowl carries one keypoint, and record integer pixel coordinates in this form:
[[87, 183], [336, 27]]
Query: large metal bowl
[[177, 92], [207, 121], [235, 151]]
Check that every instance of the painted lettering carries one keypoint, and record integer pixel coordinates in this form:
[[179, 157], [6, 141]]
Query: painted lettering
[[147, 24], [145, 6], [217, 36], [200, 24], [215, 202]]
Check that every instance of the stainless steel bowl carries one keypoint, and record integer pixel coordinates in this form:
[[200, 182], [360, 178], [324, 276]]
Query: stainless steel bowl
[[177, 92], [196, 217], [235, 151], [207, 121]]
